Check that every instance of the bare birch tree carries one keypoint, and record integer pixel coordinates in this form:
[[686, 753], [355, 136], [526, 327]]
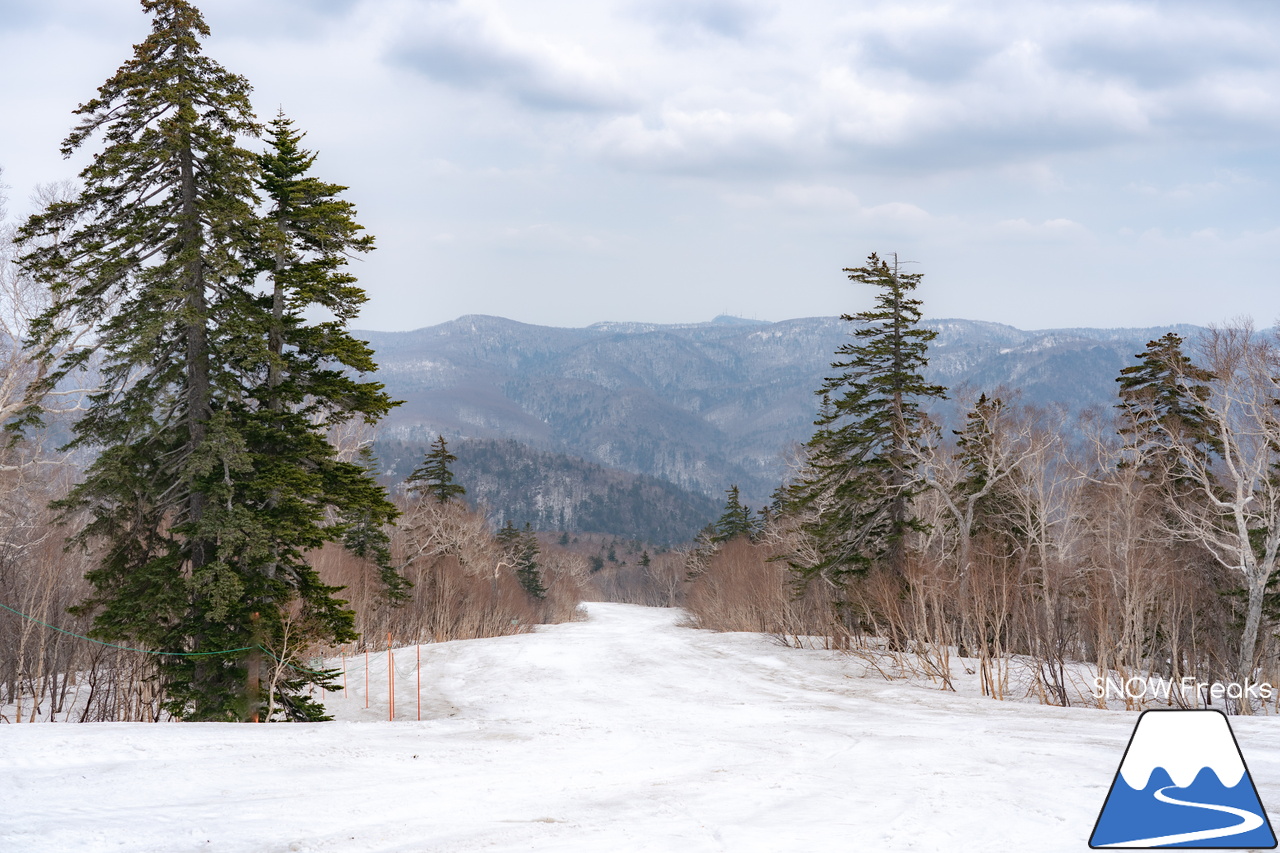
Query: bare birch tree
[[1238, 516]]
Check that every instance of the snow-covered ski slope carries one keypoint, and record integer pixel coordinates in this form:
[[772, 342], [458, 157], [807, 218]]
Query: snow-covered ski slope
[[621, 733]]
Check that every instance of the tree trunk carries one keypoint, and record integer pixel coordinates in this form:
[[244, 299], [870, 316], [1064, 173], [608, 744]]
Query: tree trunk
[[199, 407], [1249, 640]]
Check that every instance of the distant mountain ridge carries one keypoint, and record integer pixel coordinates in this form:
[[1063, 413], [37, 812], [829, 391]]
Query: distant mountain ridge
[[701, 405]]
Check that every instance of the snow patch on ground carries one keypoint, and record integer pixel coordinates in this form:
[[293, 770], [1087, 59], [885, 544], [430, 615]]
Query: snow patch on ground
[[625, 732]]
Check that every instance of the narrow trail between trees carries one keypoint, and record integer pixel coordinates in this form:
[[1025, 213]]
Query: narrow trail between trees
[[624, 732]]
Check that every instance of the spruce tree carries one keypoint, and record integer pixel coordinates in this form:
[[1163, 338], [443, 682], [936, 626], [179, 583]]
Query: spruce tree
[[306, 380], [434, 476], [364, 523], [854, 500], [214, 476], [735, 521], [1162, 401], [522, 549], [986, 492]]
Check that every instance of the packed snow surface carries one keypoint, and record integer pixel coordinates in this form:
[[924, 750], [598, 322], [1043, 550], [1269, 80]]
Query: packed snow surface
[[624, 732]]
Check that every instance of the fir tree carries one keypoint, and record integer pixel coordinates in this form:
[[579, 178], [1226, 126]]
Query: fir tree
[[986, 491], [521, 547], [1162, 400], [215, 475], [855, 498], [434, 476], [304, 379], [365, 520], [735, 521]]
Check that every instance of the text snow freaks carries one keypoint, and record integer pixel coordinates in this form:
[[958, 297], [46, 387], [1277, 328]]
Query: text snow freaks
[[1155, 687]]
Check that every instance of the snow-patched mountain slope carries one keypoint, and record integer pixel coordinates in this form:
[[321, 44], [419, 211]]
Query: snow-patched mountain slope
[[621, 733]]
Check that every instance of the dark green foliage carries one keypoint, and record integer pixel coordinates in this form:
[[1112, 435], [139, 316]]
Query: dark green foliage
[[854, 499], [735, 521], [1162, 398], [215, 475], [521, 547], [995, 519], [306, 371], [434, 477], [973, 450], [366, 521]]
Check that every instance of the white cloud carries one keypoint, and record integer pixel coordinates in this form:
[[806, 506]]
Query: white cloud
[[683, 22], [462, 44], [936, 86], [544, 236], [681, 148], [898, 212], [699, 139]]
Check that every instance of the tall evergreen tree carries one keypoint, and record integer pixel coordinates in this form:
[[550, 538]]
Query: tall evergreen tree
[[735, 521], [434, 476], [855, 498], [303, 382], [214, 476], [985, 494], [364, 524], [1162, 399], [521, 547]]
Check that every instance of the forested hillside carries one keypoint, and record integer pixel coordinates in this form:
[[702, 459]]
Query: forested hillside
[[553, 491], [703, 405]]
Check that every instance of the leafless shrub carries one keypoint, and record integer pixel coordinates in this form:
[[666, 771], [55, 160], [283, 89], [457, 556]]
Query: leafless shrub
[[747, 586], [660, 583], [463, 585]]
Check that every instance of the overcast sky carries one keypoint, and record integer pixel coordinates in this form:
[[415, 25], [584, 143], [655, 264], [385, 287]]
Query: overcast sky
[[570, 161]]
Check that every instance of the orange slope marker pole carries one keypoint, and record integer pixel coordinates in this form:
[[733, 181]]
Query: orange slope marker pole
[[366, 676], [391, 682], [419, 670]]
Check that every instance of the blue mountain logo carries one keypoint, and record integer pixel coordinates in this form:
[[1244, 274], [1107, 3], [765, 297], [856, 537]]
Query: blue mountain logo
[[1183, 783]]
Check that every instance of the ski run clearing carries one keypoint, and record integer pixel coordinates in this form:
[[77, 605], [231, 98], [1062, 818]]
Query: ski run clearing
[[623, 732]]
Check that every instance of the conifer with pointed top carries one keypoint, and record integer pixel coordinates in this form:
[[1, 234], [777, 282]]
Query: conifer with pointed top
[[987, 491], [434, 476], [308, 376], [854, 499], [1162, 399], [522, 549], [215, 476], [735, 521]]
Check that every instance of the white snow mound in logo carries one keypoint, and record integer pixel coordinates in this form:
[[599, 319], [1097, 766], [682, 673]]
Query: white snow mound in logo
[[1183, 744]]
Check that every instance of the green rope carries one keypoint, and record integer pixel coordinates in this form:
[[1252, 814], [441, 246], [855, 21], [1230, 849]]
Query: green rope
[[152, 652]]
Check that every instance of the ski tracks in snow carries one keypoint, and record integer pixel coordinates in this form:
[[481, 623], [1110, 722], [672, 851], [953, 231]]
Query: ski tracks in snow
[[624, 732]]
